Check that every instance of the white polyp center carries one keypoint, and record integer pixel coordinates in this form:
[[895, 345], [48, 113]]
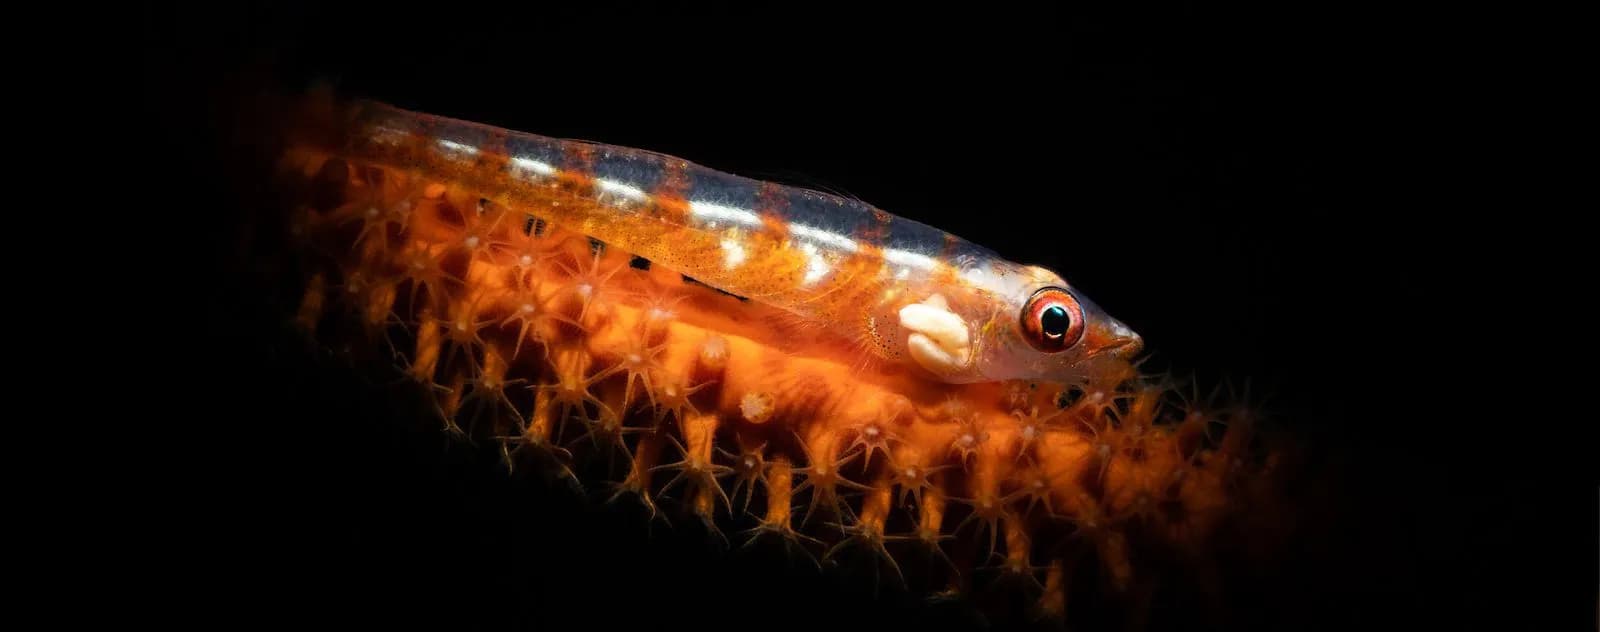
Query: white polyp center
[[911, 472], [634, 358], [967, 440], [749, 463], [871, 432], [1038, 483], [1104, 450], [472, 242], [372, 212], [584, 290], [1029, 432], [526, 260], [1095, 397], [527, 308], [714, 348], [755, 406]]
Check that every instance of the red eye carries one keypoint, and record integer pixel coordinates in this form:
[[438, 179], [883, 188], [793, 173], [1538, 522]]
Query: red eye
[[1052, 320]]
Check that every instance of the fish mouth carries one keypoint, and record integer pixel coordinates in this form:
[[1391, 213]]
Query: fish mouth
[[1125, 349], [1113, 339]]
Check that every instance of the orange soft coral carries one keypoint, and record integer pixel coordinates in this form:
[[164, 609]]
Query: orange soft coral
[[556, 344]]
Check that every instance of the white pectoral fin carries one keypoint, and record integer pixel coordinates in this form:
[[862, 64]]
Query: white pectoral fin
[[940, 341], [933, 357]]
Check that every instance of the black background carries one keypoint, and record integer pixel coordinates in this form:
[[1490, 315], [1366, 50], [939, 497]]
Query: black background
[[1248, 188]]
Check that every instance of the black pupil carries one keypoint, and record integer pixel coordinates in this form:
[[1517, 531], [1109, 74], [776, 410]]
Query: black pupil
[[1054, 321]]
